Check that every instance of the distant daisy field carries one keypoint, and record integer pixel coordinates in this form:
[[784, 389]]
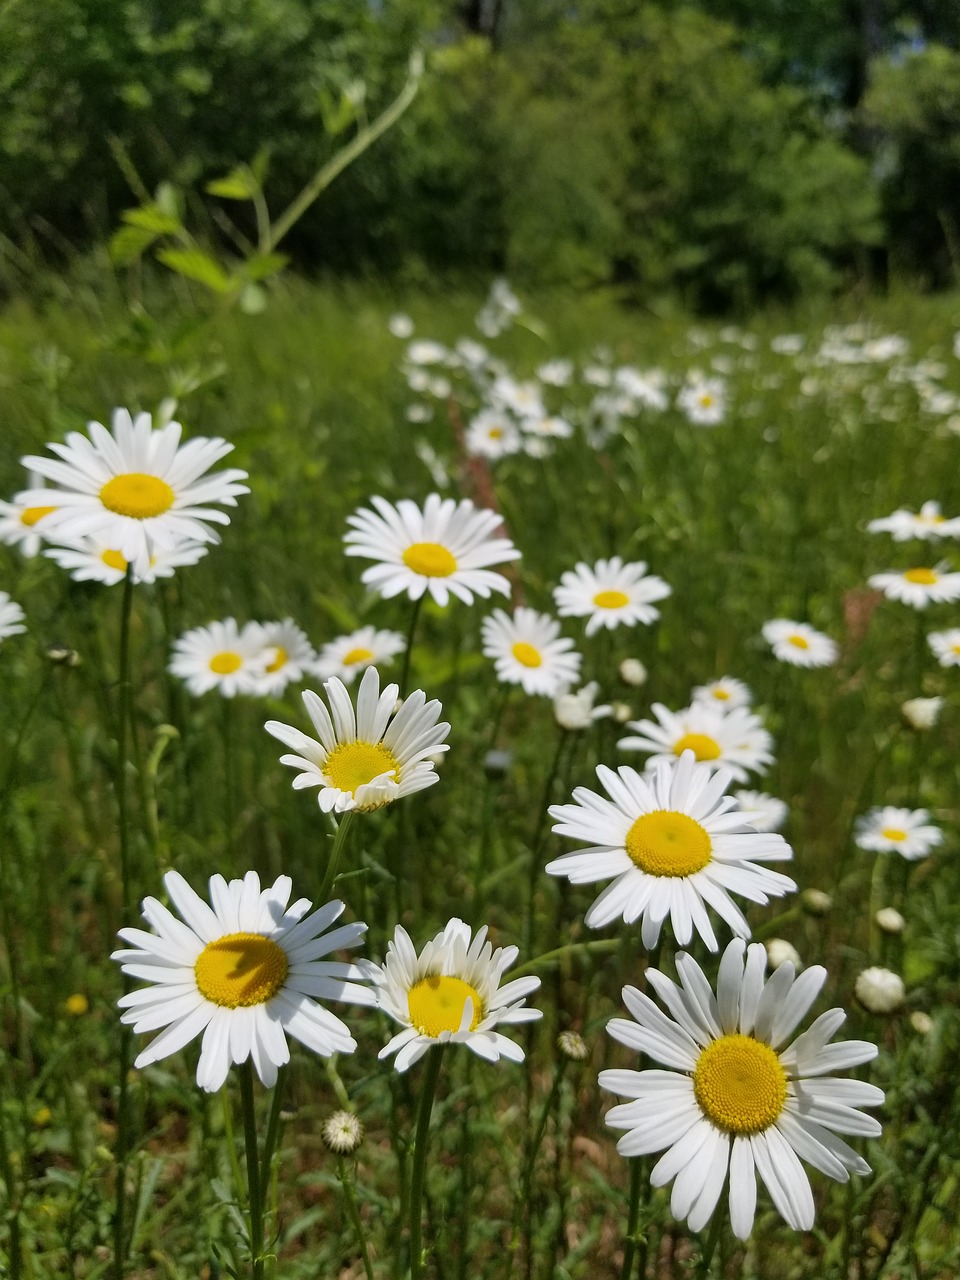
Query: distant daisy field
[[478, 789]]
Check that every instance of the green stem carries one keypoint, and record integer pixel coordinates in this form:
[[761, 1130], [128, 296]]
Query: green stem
[[273, 1128], [12, 1214], [710, 1248], [572, 948], [227, 1107], [637, 1184], [434, 1060], [411, 635], [535, 844], [353, 1212], [523, 1212], [333, 863], [254, 1188]]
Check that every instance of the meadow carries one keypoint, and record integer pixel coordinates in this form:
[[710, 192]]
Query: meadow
[[742, 464]]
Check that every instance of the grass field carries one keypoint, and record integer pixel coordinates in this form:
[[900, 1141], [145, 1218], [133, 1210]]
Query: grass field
[[761, 516]]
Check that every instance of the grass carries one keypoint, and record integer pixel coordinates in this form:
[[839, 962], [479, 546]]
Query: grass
[[762, 517]]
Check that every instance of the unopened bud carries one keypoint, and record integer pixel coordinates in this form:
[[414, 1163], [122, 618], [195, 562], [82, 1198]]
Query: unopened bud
[[572, 1046], [342, 1133], [889, 920], [922, 713], [633, 672], [879, 990], [816, 902], [779, 951]]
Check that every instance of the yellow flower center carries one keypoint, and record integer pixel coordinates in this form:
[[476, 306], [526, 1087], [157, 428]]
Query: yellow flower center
[[667, 843], [611, 599], [721, 695], [740, 1084], [30, 515], [280, 658], [114, 560], [224, 664], [430, 559], [706, 401], [357, 655], [799, 642], [923, 577], [436, 1004], [354, 764], [241, 969], [526, 654], [894, 834], [137, 495], [701, 744], [496, 433]]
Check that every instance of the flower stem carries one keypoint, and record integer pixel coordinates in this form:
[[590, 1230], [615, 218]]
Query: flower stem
[[273, 1129], [434, 1059], [254, 1187], [353, 1212], [710, 1248], [333, 862], [639, 1183], [411, 634]]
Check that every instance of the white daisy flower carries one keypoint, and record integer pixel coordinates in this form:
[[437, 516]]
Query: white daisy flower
[[11, 617], [799, 644], [528, 650], [221, 656], [556, 373], [676, 844], [727, 693], [426, 351], [525, 399], [549, 428], [926, 524], [610, 594], [451, 993], [908, 832], [446, 548], [735, 740], [400, 325], [920, 586], [89, 560], [242, 971], [136, 489], [492, 434], [290, 656], [763, 812], [946, 646], [733, 1099], [18, 521], [575, 711], [879, 990], [704, 401], [347, 655], [364, 760]]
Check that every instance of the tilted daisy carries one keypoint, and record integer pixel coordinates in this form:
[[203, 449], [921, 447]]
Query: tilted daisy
[[289, 656], [89, 560], [445, 548], [350, 654], [927, 524], [492, 434], [451, 992], [763, 812], [243, 971], [946, 646], [18, 521], [732, 1099], [704, 401], [675, 843], [735, 740], [364, 760], [528, 650], [610, 594], [135, 489], [221, 656], [918, 587], [11, 617], [908, 832], [728, 693], [799, 644]]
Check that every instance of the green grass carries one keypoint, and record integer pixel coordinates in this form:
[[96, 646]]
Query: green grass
[[762, 517]]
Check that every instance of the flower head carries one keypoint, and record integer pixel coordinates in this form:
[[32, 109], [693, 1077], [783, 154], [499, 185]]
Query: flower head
[[348, 655], [368, 758], [921, 713], [918, 587], [908, 832], [879, 990], [528, 650], [763, 812], [728, 693], [221, 656], [244, 971], [289, 656], [735, 740], [89, 560], [11, 617], [342, 1133], [451, 992], [18, 520], [733, 1100], [928, 524], [575, 711], [799, 644], [946, 646], [610, 594]]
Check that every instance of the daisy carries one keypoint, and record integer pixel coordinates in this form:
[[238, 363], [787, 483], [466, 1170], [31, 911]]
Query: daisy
[[364, 760], [799, 644], [908, 832], [556, 373], [242, 971], [221, 656], [522, 398], [492, 434], [733, 1099], [528, 650], [18, 521], [676, 843], [11, 617], [451, 993], [763, 812], [444, 548], [927, 524], [347, 655], [727, 693], [89, 560], [289, 656], [135, 489], [918, 587], [704, 401], [610, 594], [735, 740], [550, 428], [946, 646], [575, 711], [426, 351]]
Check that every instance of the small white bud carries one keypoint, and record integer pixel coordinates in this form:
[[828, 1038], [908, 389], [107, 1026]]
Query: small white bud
[[633, 672], [879, 990], [889, 920], [922, 713], [779, 950], [921, 1022]]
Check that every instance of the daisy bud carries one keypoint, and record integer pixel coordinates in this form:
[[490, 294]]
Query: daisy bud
[[621, 712], [779, 951], [496, 764], [342, 1133], [633, 672], [575, 711], [62, 656], [922, 713], [921, 1022], [889, 920], [879, 990], [816, 902], [572, 1046]]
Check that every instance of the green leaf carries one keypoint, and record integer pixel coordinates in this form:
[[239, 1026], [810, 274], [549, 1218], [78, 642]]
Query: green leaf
[[238, 185], [129, 243], [262, 265], [151, 218], [196, 265]]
